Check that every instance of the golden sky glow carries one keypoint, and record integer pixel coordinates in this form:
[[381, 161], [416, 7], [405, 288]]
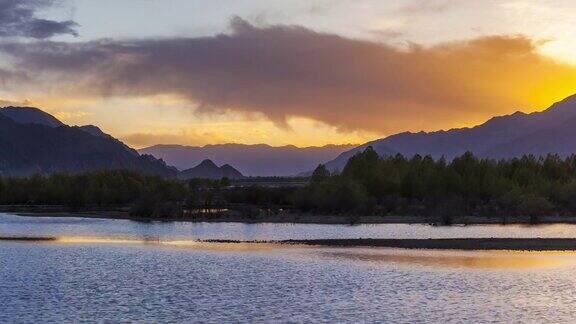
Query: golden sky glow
[[298, 77], [147, 121]]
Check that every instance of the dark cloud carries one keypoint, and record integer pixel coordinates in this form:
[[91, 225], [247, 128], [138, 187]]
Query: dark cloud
[[284, 71], [18, 19], [10, 78]]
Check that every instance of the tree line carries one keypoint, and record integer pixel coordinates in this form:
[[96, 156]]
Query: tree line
[[467, 185], [103, 188], [368, 185]]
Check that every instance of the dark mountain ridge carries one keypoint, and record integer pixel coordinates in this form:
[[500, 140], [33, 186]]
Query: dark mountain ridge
[[538, 133], [31, 142], [30, 115]]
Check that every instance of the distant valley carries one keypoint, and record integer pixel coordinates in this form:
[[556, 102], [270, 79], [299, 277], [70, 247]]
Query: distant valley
[[251, 160]]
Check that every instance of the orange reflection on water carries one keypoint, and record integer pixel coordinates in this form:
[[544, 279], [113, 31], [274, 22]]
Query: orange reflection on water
[[433, 258], [193, 244], [109, 240], [222, 246], [462, 259]]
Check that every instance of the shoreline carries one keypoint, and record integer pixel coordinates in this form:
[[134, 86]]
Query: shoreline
[[466, 244], [463, 244], [296, 218]]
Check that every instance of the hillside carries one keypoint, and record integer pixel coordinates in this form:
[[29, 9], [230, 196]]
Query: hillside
[[539, 133], [31, 141], [30, 115]]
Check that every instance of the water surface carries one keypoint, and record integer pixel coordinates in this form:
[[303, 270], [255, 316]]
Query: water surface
[[12, 225], [111, 271]]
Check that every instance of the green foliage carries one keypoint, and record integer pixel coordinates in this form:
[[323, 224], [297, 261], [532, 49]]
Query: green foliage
[[334, 195], [99, 188], [467, 185], [369, 184], [320, 174]]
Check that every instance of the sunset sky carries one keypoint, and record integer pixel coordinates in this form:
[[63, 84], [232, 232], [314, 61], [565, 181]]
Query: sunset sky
[[282, 72]]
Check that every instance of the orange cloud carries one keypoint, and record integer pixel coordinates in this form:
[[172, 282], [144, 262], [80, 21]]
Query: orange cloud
[[287, 71]]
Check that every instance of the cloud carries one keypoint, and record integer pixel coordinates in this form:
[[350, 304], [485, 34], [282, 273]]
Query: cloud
[[18, 19], [6, 103], [8, 75], [290, 71], [65, 116], [423, 7]]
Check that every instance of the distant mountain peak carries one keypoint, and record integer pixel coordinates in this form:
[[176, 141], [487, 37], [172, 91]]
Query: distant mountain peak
[[565, 105], [252, 160], [207, 163], [519, 113], [552, 130], [569, 99], [209, 170], [93, 130], [30, 115]]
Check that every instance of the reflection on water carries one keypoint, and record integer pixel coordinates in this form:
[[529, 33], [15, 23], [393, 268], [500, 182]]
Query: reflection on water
[[104, 240], [11, 225], [71, 281], [458, 259], [424, 257], [191, 244]]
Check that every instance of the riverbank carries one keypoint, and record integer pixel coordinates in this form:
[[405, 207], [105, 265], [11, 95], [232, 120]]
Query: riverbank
[[297, 218], [120, 212], [513, 244], [302, 218], [467, 244]]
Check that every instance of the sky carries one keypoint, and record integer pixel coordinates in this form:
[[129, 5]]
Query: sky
[[280, 72]]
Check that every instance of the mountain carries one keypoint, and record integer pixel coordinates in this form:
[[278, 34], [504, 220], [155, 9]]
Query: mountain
[[230, 172], [549, 131], [340, 161], [252, 160], [94, 130], [32, 141], [30, 115], [209, 170]]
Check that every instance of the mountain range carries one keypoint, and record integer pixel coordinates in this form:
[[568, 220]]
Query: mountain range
[[549, 131], [251, 160], [209, 170], [32, 141]]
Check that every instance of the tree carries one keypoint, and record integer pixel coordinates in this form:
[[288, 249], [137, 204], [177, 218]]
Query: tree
[[320, 174]]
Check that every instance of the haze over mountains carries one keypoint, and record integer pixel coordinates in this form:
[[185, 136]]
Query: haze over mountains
[[251, 160], [540, 133], [32, 141]]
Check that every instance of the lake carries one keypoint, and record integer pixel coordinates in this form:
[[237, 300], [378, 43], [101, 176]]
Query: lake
[[122, 271]]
